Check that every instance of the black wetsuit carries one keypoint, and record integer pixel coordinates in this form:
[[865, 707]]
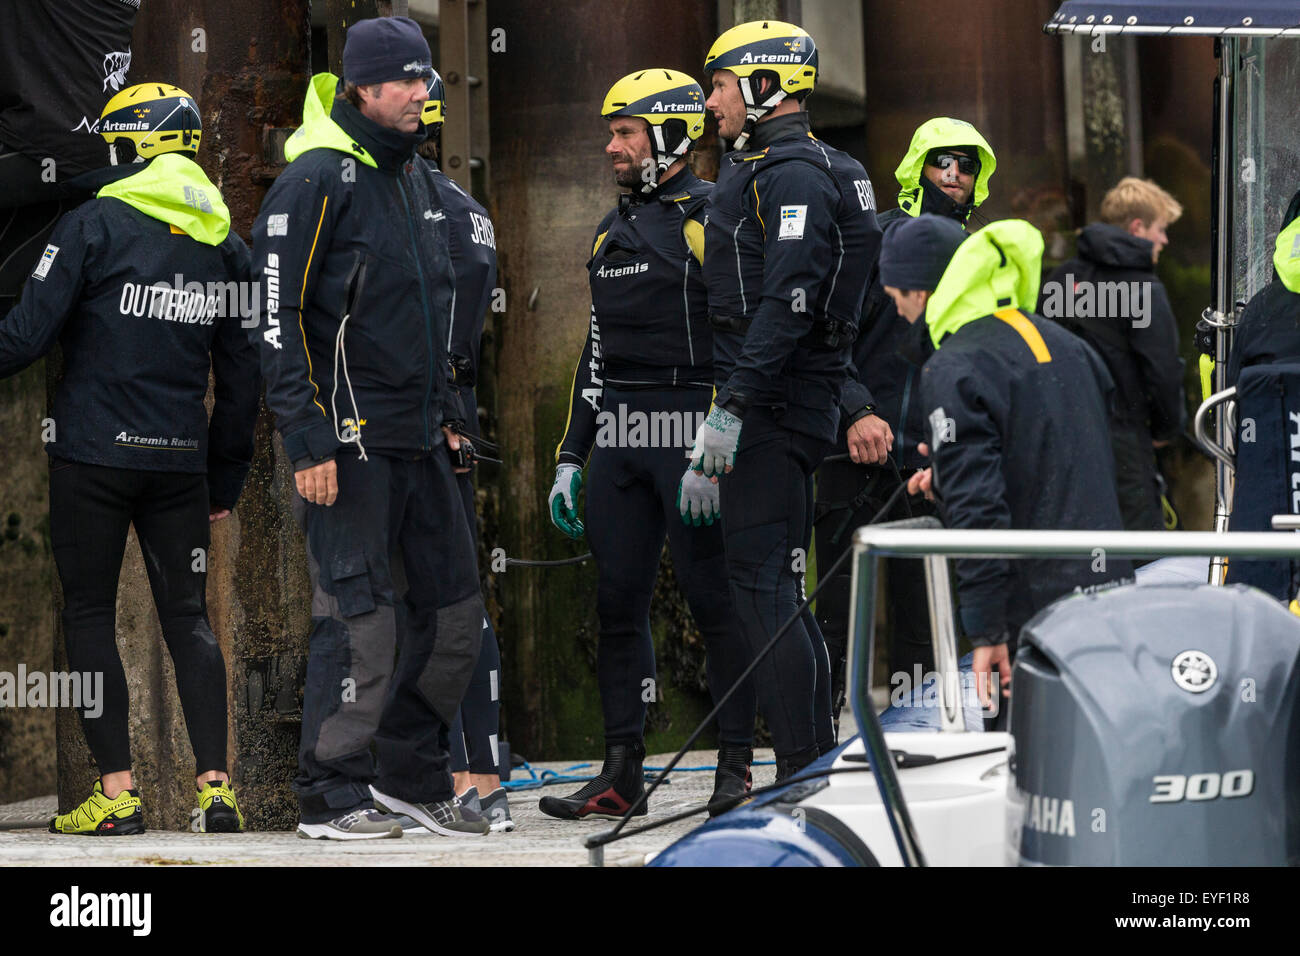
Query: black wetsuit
[[642, 386], [791, 235]]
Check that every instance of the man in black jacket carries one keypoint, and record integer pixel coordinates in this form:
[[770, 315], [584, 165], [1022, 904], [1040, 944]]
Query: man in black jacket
[[1269, 330], [945, 172], [1110, 296], [648, 359], [358, 286], [1005, 394], [137, 285], [791, 236], [471, 240]]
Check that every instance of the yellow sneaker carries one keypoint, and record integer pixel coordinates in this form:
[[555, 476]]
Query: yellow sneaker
[[218, 809], [100, 816]]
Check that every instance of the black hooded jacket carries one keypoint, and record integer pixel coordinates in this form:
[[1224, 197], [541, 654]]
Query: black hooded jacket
[[1139, 343], [790, 242], [1005, 395], [883, 380], [1269, 330], [339, 237], [142, 310]]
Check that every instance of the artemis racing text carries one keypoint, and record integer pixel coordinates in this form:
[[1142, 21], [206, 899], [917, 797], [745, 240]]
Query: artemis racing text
[[272, 333]]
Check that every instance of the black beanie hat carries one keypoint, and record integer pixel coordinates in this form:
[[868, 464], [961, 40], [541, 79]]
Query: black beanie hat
[[915, 252], [383, 49]]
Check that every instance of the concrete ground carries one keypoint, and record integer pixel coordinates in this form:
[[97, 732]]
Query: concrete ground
[[538, 840]]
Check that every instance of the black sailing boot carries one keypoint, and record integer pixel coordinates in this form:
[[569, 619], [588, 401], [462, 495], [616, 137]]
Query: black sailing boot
[[787, 767], [618, 786], [733, 780]]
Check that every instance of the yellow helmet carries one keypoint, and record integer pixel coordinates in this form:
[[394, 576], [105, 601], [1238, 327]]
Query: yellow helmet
[[670, 102], [431, 115], [780, 50], [153, 118]]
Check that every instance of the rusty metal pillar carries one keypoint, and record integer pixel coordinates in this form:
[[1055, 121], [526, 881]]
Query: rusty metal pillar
[[550, 186], [247, 64]]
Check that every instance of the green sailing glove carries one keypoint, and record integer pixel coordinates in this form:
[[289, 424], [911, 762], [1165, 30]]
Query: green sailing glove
[[715, 443], [697, 499], [564, 500]]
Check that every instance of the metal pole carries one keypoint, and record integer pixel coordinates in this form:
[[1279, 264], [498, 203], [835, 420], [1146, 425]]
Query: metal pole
[[453, 58], [861, 645], [943, 632], [897, 541], [1222, 317]]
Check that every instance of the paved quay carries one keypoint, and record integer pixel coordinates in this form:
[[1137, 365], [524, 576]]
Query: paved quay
[[538, 840]]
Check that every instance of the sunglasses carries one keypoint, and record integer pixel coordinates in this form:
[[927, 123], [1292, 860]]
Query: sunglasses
[[967, 165]]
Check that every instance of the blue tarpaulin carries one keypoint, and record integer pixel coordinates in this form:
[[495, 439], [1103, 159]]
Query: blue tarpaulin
[[1178, 17]]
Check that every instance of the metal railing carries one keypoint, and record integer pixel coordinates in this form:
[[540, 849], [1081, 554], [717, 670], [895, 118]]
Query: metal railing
[[922, 538]]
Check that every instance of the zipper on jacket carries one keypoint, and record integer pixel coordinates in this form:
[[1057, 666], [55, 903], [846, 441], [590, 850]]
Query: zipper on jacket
[[424, 301]]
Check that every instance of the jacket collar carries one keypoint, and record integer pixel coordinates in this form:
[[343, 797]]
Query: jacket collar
[[1112, 246], [778, 128], [390, 148]]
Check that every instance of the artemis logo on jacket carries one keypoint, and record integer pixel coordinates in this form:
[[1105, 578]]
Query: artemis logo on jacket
[[606, 272]]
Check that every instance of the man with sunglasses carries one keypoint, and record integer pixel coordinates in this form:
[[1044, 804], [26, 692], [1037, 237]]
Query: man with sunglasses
[[945, 172]]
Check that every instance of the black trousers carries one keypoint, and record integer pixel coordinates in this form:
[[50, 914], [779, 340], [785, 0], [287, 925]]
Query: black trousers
[[393, 575], [1135, 477], [767, 519], [908, 629], [91, 509], [475, 730], [631, 506]]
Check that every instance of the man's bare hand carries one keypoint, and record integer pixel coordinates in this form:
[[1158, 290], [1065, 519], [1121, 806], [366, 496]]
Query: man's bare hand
[[218, 515], [983, 661], [453, 442], [870, 440], [922, 483], [319, 484]]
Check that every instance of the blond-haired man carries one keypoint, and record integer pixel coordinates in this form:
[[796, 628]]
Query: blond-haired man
[[1110, 296]]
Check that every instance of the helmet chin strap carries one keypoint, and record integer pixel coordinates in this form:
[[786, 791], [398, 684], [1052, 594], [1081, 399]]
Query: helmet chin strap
[[754, 110], [664, 157]]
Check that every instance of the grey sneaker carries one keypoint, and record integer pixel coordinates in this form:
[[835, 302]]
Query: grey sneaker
[[445, 817], [470, 799], [364, 824], [409, 826], [496, 808]]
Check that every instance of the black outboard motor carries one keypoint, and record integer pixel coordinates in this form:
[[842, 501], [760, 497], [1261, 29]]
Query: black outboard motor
[[1156, 726]]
